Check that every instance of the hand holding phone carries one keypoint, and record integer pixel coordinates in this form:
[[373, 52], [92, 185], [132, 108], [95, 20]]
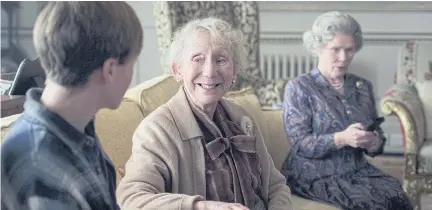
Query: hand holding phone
[[375, 124]]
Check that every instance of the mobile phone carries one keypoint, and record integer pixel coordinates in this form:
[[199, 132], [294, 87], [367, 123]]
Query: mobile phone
[[377, 122]]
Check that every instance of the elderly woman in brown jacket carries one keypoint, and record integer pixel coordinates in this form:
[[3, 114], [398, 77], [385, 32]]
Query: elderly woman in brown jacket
[[200, 150]]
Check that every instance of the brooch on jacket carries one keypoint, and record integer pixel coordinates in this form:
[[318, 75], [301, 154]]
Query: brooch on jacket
[[246, 125]]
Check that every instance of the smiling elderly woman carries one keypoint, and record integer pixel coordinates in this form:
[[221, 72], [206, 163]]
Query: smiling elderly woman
[[325, 114], [200, 150]]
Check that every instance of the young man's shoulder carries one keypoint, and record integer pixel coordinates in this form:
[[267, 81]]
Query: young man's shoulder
[[31, 146], [37, 164], [28, 146], [26, 138]]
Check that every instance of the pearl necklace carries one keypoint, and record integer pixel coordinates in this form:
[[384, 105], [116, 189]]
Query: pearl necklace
[[338, 86]]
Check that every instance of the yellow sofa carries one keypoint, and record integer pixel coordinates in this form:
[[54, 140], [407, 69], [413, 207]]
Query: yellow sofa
[[116, 127]]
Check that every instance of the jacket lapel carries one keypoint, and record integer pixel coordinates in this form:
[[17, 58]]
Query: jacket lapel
[[183, 116]]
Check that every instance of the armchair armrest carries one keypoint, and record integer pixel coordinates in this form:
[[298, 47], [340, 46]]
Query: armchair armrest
[[402, 100]]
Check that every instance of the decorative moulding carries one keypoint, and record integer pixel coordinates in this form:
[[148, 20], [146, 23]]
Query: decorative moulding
[[22, 31], [296, 36], [369, 37], [355, 6]]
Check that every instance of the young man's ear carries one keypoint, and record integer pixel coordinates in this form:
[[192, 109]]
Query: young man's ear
[[176, 72], [108, 70]]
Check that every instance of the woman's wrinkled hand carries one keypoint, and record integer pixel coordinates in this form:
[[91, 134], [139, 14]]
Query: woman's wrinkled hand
[[374, 143], [355, 136], [213, 205]]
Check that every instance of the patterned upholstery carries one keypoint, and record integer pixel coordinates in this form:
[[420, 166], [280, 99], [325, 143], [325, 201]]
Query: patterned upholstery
[[243, 15], [415, 63], [411, 101], [425, 154]]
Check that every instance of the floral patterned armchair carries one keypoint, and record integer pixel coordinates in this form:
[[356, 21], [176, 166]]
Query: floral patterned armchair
[[410, 99], [243, 15]]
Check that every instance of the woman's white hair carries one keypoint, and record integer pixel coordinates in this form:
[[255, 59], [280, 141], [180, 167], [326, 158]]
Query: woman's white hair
[[220, 31], [327, 25]]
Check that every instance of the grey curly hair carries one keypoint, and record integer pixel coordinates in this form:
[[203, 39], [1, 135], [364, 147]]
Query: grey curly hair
[[327, 25], [219, 30]]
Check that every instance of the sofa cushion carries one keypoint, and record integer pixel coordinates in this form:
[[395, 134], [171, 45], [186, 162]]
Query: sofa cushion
[[425, 158], [423, 90], [115, 129], [6, 123], [277, 142], [249, 101], [153, 93]]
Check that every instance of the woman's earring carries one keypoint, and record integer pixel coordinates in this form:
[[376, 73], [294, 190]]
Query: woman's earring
[[232, 84]]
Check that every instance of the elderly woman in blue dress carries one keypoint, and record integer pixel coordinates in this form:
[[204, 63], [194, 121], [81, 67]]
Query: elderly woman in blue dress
[[325, 115]]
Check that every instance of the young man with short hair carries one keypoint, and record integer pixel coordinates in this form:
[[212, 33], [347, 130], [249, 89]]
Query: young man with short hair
[[52, 158]]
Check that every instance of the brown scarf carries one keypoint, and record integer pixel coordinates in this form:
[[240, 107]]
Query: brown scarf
[[233, 172]]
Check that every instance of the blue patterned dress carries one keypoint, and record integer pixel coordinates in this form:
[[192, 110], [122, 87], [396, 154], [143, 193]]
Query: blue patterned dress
[[315, 168]]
